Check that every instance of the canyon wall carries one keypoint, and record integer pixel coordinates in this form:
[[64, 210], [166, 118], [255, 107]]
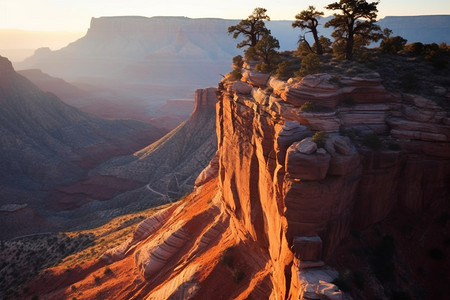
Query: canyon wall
[[285, 188]]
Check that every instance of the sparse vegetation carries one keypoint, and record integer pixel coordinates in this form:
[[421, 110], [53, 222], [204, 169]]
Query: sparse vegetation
[[236, 74], [266, 51], [283, 71], [23, 259], [312, 106], [238, 61], [311, 64], [320, 138], [393, 44]]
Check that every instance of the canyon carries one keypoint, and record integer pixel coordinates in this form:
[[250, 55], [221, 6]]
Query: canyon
[[63, 169], [276, 204], [129, 64]]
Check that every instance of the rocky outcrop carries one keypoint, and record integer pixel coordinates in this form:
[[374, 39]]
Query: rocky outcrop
[[278, 198], [266, 158]]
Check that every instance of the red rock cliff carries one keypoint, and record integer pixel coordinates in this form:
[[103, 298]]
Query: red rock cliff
[[274, 203]]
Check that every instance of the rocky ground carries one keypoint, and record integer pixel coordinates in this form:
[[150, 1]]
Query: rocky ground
[[402, 72], [28, 257]]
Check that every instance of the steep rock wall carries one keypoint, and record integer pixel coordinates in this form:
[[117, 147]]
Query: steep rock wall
[[274, 203]]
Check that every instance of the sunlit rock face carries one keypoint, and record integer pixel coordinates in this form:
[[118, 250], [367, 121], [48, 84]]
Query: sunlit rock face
[[275, 202]]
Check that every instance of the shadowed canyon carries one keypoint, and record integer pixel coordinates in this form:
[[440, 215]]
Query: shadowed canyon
[[252, 196]]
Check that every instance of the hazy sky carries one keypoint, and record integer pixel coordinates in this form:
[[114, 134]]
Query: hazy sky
[[75, 15]]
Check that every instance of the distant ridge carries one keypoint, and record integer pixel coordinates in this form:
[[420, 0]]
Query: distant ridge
[[45, 143]]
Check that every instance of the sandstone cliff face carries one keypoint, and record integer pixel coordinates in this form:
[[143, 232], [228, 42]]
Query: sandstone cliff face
[[312, 197], [272, 206]]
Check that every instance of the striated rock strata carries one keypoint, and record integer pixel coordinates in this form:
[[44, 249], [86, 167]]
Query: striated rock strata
[[273, 206]]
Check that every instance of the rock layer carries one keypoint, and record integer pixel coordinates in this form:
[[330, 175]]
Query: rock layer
[[272, 209]]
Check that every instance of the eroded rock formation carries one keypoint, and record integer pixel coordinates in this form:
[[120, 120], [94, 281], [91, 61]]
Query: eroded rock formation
[[271, 208]]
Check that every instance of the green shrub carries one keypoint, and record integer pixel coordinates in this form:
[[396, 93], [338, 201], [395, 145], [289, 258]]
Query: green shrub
[[236, 74], [312, 106], [238, 61], [250, 54], [283, 71], [107, 271], [393, 44], [303, 49], [372, 141], [415, 48], [310, 65], [336, 79], [320, 138], [264, 68]]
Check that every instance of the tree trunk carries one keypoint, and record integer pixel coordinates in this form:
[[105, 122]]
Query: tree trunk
[[316, 40], [349, 46]]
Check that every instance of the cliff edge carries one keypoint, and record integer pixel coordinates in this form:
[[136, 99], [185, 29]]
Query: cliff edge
[[285, 188]]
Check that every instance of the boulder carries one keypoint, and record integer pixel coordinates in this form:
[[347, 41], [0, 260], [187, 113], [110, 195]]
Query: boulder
[[277, 85], [290, 125], [419, 114], [306, 166], [342, 145], [260, 96], [328, 291], [240, 87], [255, 78], [290, 132], [306, 146]]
